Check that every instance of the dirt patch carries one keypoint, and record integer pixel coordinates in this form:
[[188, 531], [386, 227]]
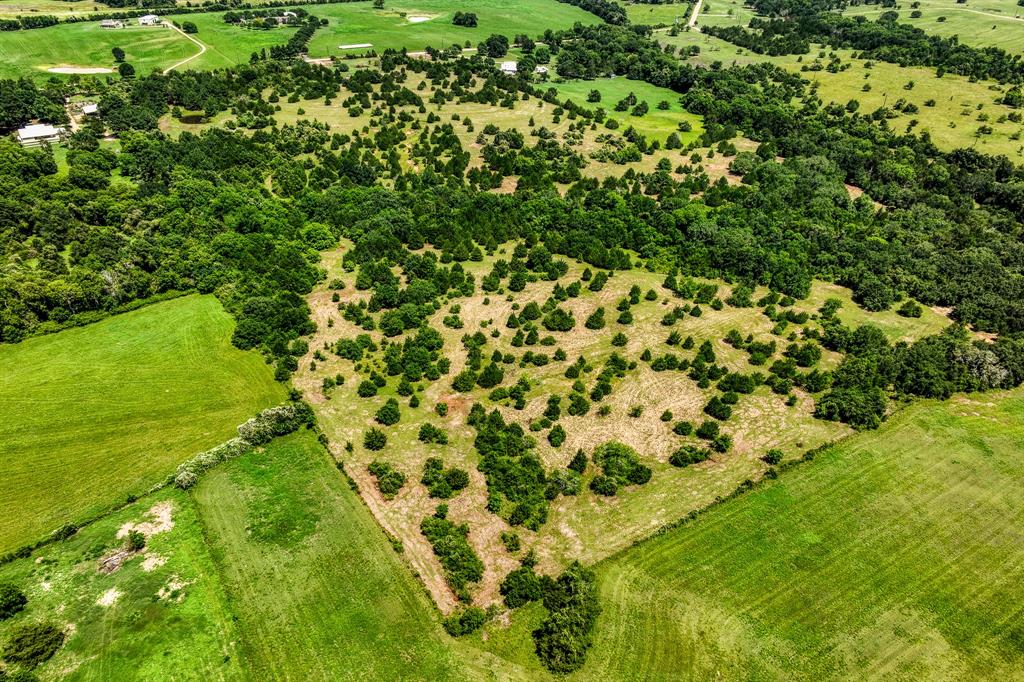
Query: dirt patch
[[80, 70], [160, 521], [151, 562], [174, 590], [418, 19], [108, 598]]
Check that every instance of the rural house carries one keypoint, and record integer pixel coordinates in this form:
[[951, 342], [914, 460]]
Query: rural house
[[37, 134], [111, 23], [149, 20], [508, 67]]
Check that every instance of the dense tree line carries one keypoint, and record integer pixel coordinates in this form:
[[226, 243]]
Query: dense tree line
[[608, 10]]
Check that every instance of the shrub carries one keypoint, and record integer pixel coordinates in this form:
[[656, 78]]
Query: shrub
[[388, 414], [909, 309], [556, 436], [366, 389], [565, 635], [718, 409], [596, 320], [511, 541], [389, 479], [687, 455], [374, 440], [460, 563], [682, 428], [442, 483], [135, 541], [466, 621], [558, 320], [578, 462], [707, 430], [12, 600], [491, 376], [620, 465], [432, 434], [521, 586], [30, 644], [772, 457]]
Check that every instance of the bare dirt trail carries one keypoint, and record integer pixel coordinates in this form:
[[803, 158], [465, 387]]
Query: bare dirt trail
[[202, 48], [696, 11]]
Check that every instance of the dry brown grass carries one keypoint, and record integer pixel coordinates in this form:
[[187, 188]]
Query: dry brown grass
[[586, 527]]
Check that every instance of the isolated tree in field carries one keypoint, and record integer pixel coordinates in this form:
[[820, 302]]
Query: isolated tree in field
[[126, 70], [374, 439], [389, 413], [118, 54], [467, 19], [378, 4], [189, 27]]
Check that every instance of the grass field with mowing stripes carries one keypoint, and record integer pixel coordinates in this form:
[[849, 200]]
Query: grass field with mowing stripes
[[95, 413], [897, 555]]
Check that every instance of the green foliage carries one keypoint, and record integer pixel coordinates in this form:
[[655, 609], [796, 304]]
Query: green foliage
[[687, 455], [12, 600], [566, 633], [374, 439], [389, 413], [620, 465], [460, 563], [30, 644], [466, 621], [520, 587], [443, 483], [389, 479]]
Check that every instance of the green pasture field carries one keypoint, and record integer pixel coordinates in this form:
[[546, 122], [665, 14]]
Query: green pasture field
[[119, 626], [57, 8], [356, 23], [94, 413], [227, 44], [896, 555], [978, 23], [31, 53], [317, 590], [656, 123], [656, 15]]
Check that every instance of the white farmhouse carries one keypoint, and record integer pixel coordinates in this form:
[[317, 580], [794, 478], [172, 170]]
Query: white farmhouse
[[149, 20], [508, 67], [35, 135]]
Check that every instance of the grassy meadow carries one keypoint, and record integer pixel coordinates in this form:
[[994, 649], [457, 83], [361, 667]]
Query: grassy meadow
[[95, 413], [896, 555], [161, 615], [978, 23], [958, 107], [660, 14], [317, 590], [417, 24], [31, 53]]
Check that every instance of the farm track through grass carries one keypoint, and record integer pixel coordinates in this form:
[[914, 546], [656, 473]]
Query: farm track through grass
[[94, 413]]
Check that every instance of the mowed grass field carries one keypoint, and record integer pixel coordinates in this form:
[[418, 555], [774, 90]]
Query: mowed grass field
[[317, 590], [401, 24], [896, 555], [656, 123], [978, 23], [95, 413], [31, 53]]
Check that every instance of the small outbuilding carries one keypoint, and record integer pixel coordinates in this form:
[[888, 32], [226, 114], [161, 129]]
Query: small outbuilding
[[149, 20], [38, 134], [111, 23], [509, 67], [90, 108]]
